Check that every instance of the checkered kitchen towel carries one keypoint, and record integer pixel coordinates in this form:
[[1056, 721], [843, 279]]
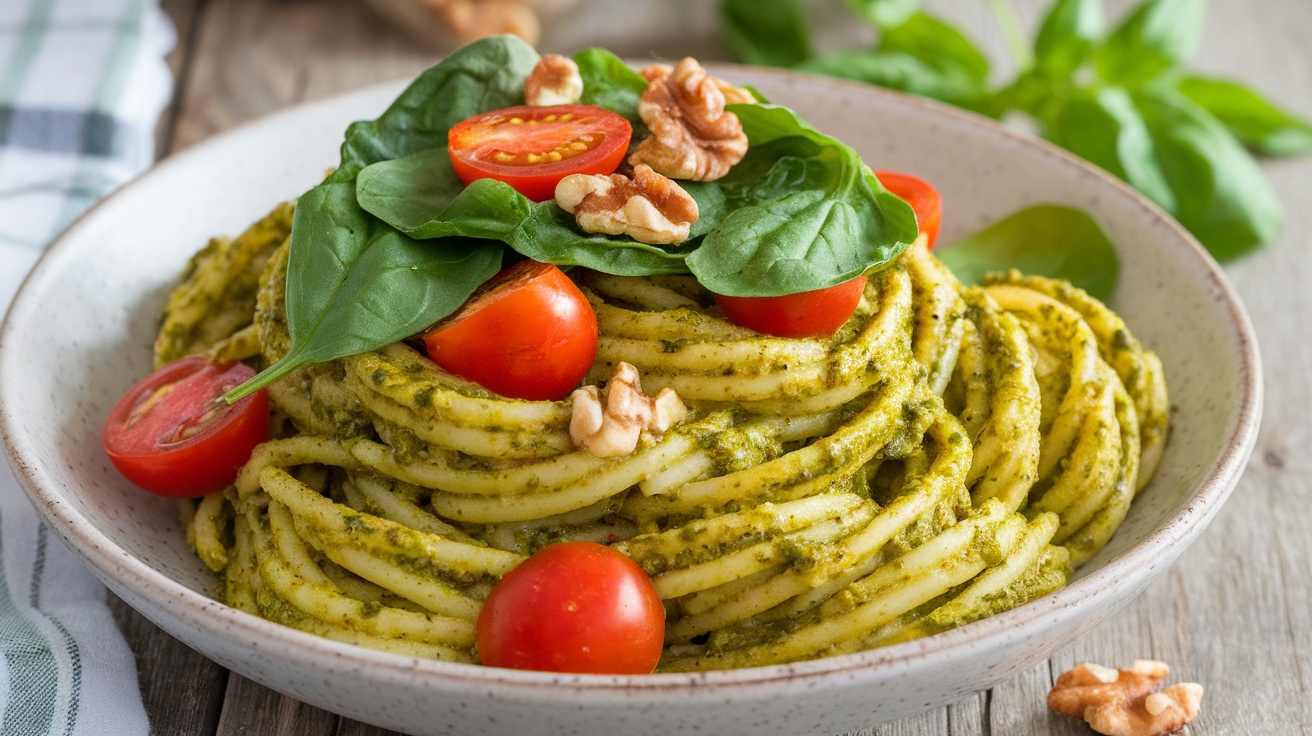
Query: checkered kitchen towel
[[82, 85]]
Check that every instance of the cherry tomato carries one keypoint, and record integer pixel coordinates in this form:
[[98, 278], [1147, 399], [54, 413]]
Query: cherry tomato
[[573, 607], [921, 195], [531, 148], [807, 314], [529, 333], [173, 435]]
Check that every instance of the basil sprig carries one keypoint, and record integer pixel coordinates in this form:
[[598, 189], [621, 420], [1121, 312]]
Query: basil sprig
[[392, 241], [1120, 99]]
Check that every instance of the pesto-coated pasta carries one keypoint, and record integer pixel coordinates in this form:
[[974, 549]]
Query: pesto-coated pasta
[[949, 453]]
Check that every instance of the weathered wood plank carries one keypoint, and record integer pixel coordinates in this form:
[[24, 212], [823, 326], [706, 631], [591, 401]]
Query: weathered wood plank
[[254, 710]]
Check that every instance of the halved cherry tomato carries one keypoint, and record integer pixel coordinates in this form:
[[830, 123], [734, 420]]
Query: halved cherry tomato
[[173, 435], [921, 195], [532, 148], [528, 333], [807, 314], [573, 607]]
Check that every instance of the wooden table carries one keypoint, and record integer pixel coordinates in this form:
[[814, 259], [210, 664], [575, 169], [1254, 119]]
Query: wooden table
[[1235, 613]]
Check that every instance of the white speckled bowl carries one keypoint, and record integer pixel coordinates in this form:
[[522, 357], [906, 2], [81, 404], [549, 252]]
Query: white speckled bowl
[[79, 334]]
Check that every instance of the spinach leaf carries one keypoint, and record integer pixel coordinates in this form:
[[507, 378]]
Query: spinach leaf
[[354, 282], [1067, 37], [1044, 240], [766, 32], [1221, 194], [1158, 36], [420, 195], [804, 213], [1256, 122], [800, 212], [608, 82], [485, 75]]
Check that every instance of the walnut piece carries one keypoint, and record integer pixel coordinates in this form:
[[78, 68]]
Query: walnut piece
[[1125, 702], [649, 208], [692, 135], [554, 81], [608, 422]]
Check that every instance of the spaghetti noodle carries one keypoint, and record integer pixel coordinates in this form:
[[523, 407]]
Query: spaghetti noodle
[[949, 453]]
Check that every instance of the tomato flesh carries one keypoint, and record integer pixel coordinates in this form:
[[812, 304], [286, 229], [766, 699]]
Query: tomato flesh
[[921, 195], [573, 607], [529, 333], [531, 148], [173, 435], [817, 313]]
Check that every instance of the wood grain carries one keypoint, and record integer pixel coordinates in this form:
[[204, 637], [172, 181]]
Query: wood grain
[[1233, 613]]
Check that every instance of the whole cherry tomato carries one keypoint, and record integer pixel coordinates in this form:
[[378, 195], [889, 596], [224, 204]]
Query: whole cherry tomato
[[529, 333], [173, 435], [532, 148], [921, 195], [807, 314], [573, 607]]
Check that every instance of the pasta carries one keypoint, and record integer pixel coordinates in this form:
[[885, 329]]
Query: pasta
[[950, 453]]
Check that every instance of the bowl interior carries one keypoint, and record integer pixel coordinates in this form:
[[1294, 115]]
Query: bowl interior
[[81, 329]]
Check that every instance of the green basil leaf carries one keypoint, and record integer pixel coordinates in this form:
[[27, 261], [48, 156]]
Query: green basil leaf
[[1067, 36], [766, 32], [804, 213], [1259, 124], [485, 75], [608, 82], [884, 13], [1105, 128], [1158, 36], [938, 44], [1044, 240], [355, 284], [900, 71], [1221, 194]]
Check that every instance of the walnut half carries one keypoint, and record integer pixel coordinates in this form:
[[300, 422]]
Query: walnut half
[[649, 208], [1125, 702], [608, 422], [555, 80], [692, 135]]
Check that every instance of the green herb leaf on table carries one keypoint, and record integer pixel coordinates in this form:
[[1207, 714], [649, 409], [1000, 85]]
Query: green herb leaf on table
[[1110, 98], [1157, 36], [1068, 36], [1045, 240], [766, 32], [884, 13], [1221, 194], [1256, 122]]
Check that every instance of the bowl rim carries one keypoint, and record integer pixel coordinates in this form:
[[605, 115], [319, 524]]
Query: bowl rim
[[1163, 544]]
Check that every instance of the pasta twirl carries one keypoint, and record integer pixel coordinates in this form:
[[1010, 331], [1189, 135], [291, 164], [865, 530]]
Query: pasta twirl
[[949, 453]]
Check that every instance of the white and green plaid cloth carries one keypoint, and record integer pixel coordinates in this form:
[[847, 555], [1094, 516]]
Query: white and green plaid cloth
[[82, 85]]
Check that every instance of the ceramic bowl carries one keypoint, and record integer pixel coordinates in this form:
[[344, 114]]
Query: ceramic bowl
[[80, 332]]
